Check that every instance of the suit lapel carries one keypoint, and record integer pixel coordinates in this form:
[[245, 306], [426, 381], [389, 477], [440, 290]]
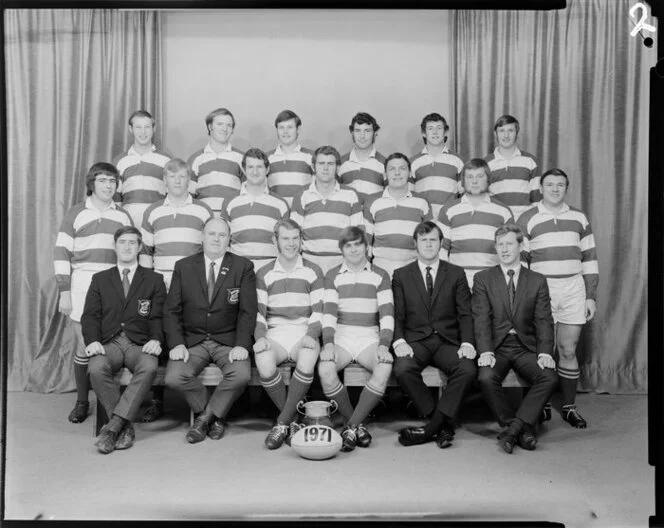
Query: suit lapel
[[520, 287], [417, 278], [117, 283], [202, 274], [502, 287], [135, 283], [440, 277], [224, 270]]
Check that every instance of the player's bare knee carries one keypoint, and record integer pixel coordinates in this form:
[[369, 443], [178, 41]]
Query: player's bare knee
[[327, 370], [381, 375]]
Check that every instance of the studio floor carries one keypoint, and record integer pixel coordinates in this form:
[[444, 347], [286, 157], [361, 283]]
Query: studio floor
[[598, 477]]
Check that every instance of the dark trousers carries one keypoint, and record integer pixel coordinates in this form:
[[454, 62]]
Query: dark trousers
[[121, 352], [435, 351], [182, 377], [512, 354]]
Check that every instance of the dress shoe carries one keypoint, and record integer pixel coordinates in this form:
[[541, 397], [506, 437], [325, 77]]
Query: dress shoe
[[106, 440], [572, 417], [445, 437], [409, 436], [153, 412], [277, 436], [79, 412], [363, 436], [126, 437], [199, 430], [216, 429], [507, 440], [545, 415], [349, 439], [527, 439]]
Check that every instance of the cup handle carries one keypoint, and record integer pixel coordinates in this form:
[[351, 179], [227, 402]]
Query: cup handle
[[300, 407], [333, 407]]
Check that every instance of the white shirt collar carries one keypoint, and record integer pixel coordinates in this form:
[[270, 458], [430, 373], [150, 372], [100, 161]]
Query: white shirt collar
[[353, 155], [133, 152], [498, 155], [517, 271], [168, 202], [344, 267], [423, 268], [132, 270], [464, 199], [280, 151], [208, 149], [279, 267], [541, 209], [386, 194], [425, 150], [243, 189], [314, 189], [90, 205]]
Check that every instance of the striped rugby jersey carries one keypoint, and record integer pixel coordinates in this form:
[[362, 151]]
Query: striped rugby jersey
[[436, 179], [560, 245], [289, 173], [292, 297], [367, 178], [515, 181], [361, 298]]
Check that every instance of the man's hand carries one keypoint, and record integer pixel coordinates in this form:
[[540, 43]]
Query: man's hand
[[152, 347], [179, 353], [64, 307], [94, 349], [403, 350], [546, 361], [261, 345], [466, 351], [306, 342], [486, 359], [327, 353], [591, 307], [383, 354], [238, 353]]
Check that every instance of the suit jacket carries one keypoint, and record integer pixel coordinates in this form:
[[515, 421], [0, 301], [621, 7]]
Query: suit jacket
[[531, 317], [106, 312], [229, 319], [449, 313]]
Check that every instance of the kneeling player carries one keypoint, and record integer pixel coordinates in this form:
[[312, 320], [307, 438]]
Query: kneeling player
[[288, 325], [358, 324]]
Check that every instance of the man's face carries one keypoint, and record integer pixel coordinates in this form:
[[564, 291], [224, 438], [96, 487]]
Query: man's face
[[221, 128], [508, 249], [397, 173], [428, 246], [554, 189], [127, 247], [475, 182], [288, 132], [215, 238], [434, 132], [325, 168], [354, 252], [506, 135], [142, 129], [255, 171], [105, 186], [363, 136], [177, 183], [288, 243]]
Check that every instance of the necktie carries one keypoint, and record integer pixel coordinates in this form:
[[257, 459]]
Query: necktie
[[211, 282], [125, 281], [511, 290], [429, 282]]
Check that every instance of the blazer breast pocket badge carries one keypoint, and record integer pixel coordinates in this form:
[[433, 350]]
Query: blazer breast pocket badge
[[144, 307], [233, 295]]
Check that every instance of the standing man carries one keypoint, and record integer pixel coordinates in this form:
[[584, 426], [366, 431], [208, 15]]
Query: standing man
[[362, 169], [391, 217], [209, 316], [290, 164], [435, 170], [324, 209], [433, 326], [288, 325], [358, 324], [254, 212], [121, 325], [514, 329], [83, 247], [468, 223], [140, 168], [515, 176], [560, 245], [217, 170]]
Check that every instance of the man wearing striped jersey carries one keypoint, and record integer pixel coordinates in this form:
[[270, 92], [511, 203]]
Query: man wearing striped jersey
[[515, 176], [253, 213], [140, 169], [362, 169], [288, 325], [560, 245], [468, 223], [358, 324], [435, 170], [83, 247], [391, 217], [324, 209], [290, 163], [216, 168]]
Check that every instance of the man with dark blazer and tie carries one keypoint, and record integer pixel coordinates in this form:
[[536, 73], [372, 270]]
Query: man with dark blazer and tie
[[514, 329], [210, 315], [122, 327], [433, 326]]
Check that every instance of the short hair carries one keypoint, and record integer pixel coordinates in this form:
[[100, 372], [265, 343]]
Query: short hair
[[101, 167], [219, 111], [140, 113], [509, 227], [433, 118], [175, 165], [212, 218], [396, 155], [286, 223], [255, 153], [287, 115], [128, 230], [476, 163], [326, 150], [362, 118], [351, 234], [426, 227], [555, 172], [506, 120]]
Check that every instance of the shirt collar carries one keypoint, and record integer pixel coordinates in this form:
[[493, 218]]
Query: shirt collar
[[132, 269], [280, 152], [314, 189], [168, 202], [498, 155], [464, 198], [133, 152], [386, 194], [541, 209], [208, 149], [353, 156], [425, 150], [278, 266], [90, 205], [243, 189], [217, 262], [516, 268], [423, 267], [344, 267]]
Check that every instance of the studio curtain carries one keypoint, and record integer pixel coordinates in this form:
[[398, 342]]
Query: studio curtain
[[578, 83], [73, 78]]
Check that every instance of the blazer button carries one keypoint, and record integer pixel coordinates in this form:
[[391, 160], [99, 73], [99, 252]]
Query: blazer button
[[208, 314], [121, 324]]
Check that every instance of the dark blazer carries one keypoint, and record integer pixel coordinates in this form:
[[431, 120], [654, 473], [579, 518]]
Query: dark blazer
[[531, 317], [106, 312], [449, 313], [231, 317]]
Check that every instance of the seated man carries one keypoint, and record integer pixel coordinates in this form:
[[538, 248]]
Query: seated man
[[433, 326], [288, 325], [358, 323], [514, 329], [121, 326], [209, 315]]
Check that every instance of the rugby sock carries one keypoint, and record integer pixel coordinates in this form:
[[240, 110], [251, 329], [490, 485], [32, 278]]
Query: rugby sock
[[299, 386], [116, 423], [275, 388], [340, 395], [569, 379], [81, 378], [369, 398]]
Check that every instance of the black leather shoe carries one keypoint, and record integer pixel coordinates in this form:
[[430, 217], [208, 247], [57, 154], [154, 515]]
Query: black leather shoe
[[217, 429], [106, 440], [126, 437], [572, 417], [79, 412], [199, 430], [445, 437], [507, 441], [527, 439], [153, 412], [409, 436]]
